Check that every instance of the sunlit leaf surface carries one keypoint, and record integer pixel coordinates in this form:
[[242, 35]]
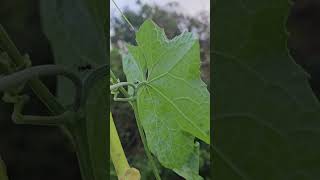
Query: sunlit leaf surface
[[173, 102]]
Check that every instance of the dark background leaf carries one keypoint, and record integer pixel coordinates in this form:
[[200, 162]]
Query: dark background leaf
[[266, 117], [97, 125], [76, 33], [99, 10]]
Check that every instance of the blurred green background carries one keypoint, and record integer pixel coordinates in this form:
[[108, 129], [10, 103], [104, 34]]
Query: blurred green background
[[37, 153]]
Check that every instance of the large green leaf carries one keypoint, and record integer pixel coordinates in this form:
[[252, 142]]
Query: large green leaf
[[173, 102], [266, 118], [75, 29]]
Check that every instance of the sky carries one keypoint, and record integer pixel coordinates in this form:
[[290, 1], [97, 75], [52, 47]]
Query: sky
[[188, 7]]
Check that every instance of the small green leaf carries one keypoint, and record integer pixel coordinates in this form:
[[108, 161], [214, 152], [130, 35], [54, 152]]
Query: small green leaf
[[173, 102]]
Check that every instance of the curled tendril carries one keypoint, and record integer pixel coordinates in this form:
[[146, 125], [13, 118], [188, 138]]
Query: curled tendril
[[115, 90], [136, 86], [140, 84], [13, 80]]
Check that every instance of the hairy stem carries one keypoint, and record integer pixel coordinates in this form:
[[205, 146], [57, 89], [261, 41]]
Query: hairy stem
[[141, 132], [118, 157]]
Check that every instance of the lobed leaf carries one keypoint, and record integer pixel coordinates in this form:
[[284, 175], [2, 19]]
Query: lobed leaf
[[173, 102]]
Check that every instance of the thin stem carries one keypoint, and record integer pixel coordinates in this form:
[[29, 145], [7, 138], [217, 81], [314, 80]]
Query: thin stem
[[115, 80], [19, 118], [121, 84], [7, 45], [124, 17], [43, 120], [142, 135], [46, 97], [20, 77], [41, 91], [115, 98]]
